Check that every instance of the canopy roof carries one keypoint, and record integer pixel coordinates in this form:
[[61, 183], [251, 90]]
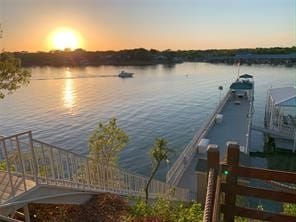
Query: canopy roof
[[284, 96], [246, 76], [241, 85]]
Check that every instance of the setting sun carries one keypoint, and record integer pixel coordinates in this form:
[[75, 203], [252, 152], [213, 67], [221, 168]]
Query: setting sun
[[65, 38]]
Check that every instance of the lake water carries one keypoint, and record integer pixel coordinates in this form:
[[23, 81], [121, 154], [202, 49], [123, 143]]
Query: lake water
[[63, 105]]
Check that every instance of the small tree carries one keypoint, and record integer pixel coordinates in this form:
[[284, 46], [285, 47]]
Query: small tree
[[159, 152], [12, 75], [106, 142]]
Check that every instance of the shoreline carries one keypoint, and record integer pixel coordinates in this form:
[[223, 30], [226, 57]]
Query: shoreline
[[143, 64], [143, 57]]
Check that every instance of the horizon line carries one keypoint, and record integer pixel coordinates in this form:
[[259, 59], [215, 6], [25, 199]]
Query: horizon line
[[174, 50]]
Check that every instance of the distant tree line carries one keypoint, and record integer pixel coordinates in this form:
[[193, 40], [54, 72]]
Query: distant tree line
[[141, 56]]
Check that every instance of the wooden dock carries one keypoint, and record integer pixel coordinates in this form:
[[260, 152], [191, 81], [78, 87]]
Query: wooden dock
[[236, 110], [236, 126]]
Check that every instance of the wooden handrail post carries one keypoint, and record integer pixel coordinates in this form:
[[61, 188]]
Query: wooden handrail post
[[213, 169], [231, 179], [213, 156], [27, 213]]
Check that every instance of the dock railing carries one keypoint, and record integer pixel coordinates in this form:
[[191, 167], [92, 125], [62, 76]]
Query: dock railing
[[224, 187], [182, 162], [24, 160], [249, 125]]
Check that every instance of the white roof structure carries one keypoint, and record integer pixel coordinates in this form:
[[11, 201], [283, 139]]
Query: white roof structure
[[284, 96]]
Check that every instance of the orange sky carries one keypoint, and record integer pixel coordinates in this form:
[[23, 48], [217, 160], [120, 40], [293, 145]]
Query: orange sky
[[166, 24]]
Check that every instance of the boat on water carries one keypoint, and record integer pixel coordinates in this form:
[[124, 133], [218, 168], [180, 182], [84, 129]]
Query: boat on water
[[124, 74]]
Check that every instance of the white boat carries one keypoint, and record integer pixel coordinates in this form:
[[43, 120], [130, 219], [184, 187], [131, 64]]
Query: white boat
[[124, 74]]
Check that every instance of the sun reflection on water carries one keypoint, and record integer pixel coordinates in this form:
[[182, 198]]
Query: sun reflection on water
[[69, 93]]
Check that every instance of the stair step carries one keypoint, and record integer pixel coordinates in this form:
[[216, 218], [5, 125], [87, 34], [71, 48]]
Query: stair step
[[6, 190]]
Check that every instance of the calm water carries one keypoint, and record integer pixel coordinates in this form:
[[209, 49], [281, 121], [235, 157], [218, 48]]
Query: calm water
[[63, 105]]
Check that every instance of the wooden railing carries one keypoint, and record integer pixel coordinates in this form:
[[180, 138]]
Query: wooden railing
[[180, 165], [221, 200], [32, 160]]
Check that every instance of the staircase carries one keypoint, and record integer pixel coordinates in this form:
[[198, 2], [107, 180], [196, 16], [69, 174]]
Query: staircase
[[16, 182], [34, 171]]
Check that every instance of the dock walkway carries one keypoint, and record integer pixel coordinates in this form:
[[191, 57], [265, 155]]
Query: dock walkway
[[234, 127]]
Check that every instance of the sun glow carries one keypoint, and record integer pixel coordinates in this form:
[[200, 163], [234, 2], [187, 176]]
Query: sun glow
[[65, 38]]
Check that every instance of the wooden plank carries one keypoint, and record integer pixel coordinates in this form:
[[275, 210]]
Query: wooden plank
[[231, 178], [257, 214], [260, 193], [263, 174]]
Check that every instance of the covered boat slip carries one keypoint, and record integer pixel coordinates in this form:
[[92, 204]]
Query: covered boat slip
[[230, 122], [280, 111]]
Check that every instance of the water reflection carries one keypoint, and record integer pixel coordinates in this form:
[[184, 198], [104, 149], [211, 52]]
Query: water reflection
[[69, 93]]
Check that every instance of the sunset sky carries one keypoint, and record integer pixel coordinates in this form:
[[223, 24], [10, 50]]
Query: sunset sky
[[161, 24]]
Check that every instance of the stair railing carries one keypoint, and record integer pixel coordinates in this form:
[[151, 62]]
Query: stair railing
[[30, 159]]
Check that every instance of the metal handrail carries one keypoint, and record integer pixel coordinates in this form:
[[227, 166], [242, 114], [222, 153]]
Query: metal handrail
[[14, 135], [43, 163], [8, 219], [177, 169]]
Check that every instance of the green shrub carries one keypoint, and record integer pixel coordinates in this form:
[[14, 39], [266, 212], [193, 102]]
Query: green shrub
[[3, 165], [164, 210], [290, 209]]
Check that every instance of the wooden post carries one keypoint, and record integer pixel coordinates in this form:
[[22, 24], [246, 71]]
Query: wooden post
[[213, 169], [231, 179], [27, 213], [213, 157]]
